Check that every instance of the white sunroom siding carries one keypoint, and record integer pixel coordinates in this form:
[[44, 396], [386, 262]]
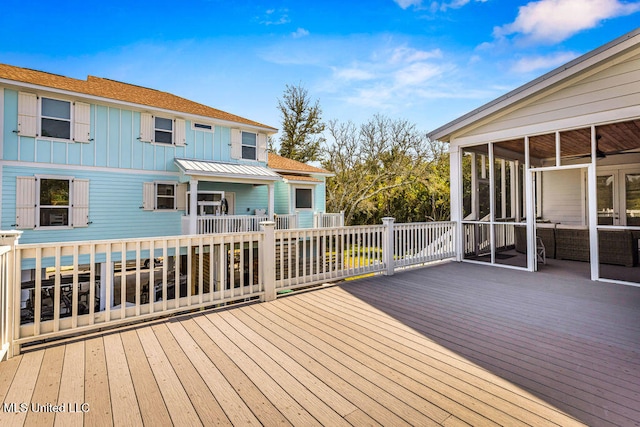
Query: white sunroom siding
[[613, 88], [563, 197], [114, 206]]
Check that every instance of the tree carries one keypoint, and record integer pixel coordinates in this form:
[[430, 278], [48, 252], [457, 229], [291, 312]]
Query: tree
[[385, 167], [302, 125]]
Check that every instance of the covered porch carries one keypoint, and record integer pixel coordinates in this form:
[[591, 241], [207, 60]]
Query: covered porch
[[452, 344], [226, 197], [551, 170]]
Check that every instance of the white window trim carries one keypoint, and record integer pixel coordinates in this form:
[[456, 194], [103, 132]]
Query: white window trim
[[39, 178], [252, 146], [295, 199], [41, 116], [155, 129], [175, 195]]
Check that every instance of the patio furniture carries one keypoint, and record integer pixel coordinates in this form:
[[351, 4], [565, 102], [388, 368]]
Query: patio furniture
[[541, 253], [546, 232], [617, 247], [572, 242]]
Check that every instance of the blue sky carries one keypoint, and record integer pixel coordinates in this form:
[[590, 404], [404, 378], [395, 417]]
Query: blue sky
[[425, 61]]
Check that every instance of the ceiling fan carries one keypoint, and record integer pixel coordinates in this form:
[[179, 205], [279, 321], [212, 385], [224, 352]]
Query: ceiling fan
[[601, 154]]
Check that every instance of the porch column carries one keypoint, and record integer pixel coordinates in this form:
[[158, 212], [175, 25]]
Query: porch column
[[193, 206], [272, 200], [455, 198], [592, 180]]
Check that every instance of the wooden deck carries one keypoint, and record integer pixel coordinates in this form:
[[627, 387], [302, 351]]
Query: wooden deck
[[455, 344]]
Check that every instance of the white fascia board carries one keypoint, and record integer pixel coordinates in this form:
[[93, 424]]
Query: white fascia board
[[288, 171], [572, 123], [238, 179], [138, 107]]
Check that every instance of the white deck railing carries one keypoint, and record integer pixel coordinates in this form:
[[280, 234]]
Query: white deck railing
[[325, 220], [229, 223], [286, 222], [79, 287], [5, 297], [309, 256], [423, 242]]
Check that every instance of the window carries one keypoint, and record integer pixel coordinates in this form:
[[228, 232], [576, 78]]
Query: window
[[54, 202], [304, 198], [55, 118], [165, 196], [249, 145], [51, 201], [163, 130], [202, 126]]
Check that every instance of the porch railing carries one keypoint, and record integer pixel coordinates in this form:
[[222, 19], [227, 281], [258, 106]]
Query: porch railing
[[229, 223], [78, 287], [286, 222], [324, 220], [5, 297]]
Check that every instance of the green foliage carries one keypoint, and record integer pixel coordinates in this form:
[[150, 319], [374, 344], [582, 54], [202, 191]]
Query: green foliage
[[302, 125], [384, 168]]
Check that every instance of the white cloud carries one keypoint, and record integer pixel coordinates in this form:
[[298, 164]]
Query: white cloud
[[404, 4], [416, 74], [352, 74], [405, 54], [535, 63], [300, 32], [275, 17], [552, 21]]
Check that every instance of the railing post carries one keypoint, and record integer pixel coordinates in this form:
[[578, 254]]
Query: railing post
[[10, 322], [267, 256], [387, 246]]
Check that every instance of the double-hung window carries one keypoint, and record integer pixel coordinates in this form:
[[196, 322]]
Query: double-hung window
[[54, 202], [55, 121], [249, 145], [165, 196], [163, 130]]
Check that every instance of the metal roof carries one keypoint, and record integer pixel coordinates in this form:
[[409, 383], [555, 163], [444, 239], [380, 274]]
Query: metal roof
[[226, 171]]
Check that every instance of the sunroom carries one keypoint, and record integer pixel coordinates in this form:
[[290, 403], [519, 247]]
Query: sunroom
[[549, 174]]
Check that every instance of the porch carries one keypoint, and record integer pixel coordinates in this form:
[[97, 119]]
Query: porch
[[450, 344]]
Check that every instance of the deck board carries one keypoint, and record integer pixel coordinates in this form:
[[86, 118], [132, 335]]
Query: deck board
[[96, 385], [453, 345], [72, 385], [47, 387], [124, 404], [150, 402]]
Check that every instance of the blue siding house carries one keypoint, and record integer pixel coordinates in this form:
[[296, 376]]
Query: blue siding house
[[100, 159]]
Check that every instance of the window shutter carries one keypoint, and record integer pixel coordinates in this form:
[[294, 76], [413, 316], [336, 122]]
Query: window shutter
[[80, 207], [149, 196], [181, 197], [236, 144], [180, 133], [262, 147], [27, 114], [82, 120], [146, 127], [25, 202]]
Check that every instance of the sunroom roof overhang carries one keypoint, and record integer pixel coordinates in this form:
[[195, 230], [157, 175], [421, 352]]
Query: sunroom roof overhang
[[226, 172]]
